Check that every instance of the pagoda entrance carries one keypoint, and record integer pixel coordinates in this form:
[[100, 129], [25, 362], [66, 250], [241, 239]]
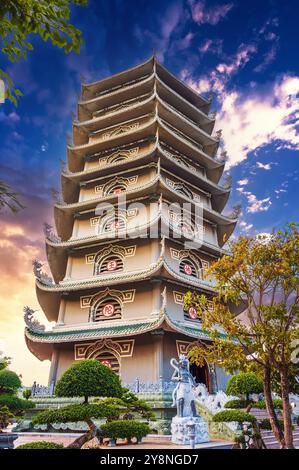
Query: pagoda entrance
[[201, 374]]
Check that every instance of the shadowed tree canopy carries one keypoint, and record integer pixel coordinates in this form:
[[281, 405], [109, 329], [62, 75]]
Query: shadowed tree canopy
[[88, 378], [9, 381], [244, 383], [21, 19]]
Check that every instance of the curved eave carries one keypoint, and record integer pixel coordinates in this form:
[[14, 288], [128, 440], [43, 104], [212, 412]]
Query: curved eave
[[89, 89], [181, 88], [213, 167], [86, 108], [110, 329], [208, 214], [70, 181], [197, 114], [75, 155], [82, 129], [171, 116], [64, 214], [195, 330]]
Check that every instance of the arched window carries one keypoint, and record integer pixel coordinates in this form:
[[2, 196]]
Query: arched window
[[116, 188], [107, 309], [191, 314], [188, 267], [108, 359], [109, 264], [184, 191], [114, 223], [185, 228]]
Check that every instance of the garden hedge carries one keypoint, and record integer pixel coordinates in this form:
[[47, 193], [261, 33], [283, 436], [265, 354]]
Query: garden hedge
[[125, 429], [40, 445], [16, 404], [234, 415]]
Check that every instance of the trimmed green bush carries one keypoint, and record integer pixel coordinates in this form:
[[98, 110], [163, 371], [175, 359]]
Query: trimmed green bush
[[266, 425], [26, 393], [125, 429], [277, 402], [40, 445], [88, 378], [16, 404], [74, 413], [9, 381], [236, 404], [234, 415], [244, 384]]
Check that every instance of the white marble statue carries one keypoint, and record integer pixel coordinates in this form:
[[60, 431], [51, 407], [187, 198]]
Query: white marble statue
[[186, 427]]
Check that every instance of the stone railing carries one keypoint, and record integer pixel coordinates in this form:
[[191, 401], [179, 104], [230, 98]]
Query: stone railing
[[150, 387], [38, 390]]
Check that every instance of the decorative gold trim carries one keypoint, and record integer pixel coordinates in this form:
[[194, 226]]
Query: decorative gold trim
[[125, 251], [125, 296], [121, 348]]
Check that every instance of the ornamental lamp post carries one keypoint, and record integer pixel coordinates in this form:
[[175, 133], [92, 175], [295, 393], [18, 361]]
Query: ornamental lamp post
[[191, 432]]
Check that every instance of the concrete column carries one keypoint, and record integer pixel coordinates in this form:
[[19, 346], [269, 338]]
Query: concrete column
[[54, 366], [158, 340], [61, 314]]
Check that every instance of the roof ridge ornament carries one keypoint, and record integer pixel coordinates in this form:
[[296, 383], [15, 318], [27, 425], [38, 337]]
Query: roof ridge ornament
[[30, 322]]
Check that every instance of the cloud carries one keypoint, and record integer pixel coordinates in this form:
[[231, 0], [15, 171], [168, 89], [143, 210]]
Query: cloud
[[243, 182], [212, 46], [202, 14], [264, 166], [245, 227], [251, 121], [255, 204]]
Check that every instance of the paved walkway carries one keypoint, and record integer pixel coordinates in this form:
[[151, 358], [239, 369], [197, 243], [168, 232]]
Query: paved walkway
[[151, 442]]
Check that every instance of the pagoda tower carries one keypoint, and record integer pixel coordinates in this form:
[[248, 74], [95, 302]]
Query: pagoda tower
[[121, 263]]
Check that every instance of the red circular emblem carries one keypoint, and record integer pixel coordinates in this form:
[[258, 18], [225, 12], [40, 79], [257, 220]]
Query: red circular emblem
[[184, 228], [108, 310], [192, 313], [188, 269], [115, 225], [111, 265], [117, 190], [107, 363]]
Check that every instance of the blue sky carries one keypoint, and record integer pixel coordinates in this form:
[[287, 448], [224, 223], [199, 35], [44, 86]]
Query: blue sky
[[245, 53]]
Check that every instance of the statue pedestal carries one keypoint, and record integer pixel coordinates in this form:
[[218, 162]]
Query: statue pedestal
[[179, 430]]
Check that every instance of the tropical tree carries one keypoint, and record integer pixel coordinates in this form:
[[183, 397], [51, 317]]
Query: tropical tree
[[4, 360], [261, 273], [20, 20]]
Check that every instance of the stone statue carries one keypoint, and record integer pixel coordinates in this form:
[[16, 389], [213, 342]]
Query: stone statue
[[186, 427], [183, 395]]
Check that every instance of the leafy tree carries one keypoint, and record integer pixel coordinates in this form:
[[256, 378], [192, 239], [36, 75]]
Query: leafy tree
[[88, 378], [20, 20], [244, 383], [261, 273], [27, 394], [5, 417], [9, 381], [4, 360], [15, 404]]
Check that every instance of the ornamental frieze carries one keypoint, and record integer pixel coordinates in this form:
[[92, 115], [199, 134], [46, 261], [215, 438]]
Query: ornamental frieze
[[121, 348]]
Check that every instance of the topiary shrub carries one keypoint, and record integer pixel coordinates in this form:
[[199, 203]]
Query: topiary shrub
[[234, 415], [9, 381], [261, 404], [125, 429], [243, 384], [40, 445], [88, 378], [5, 417], [236, 404], [15, 404], [266, 425]]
